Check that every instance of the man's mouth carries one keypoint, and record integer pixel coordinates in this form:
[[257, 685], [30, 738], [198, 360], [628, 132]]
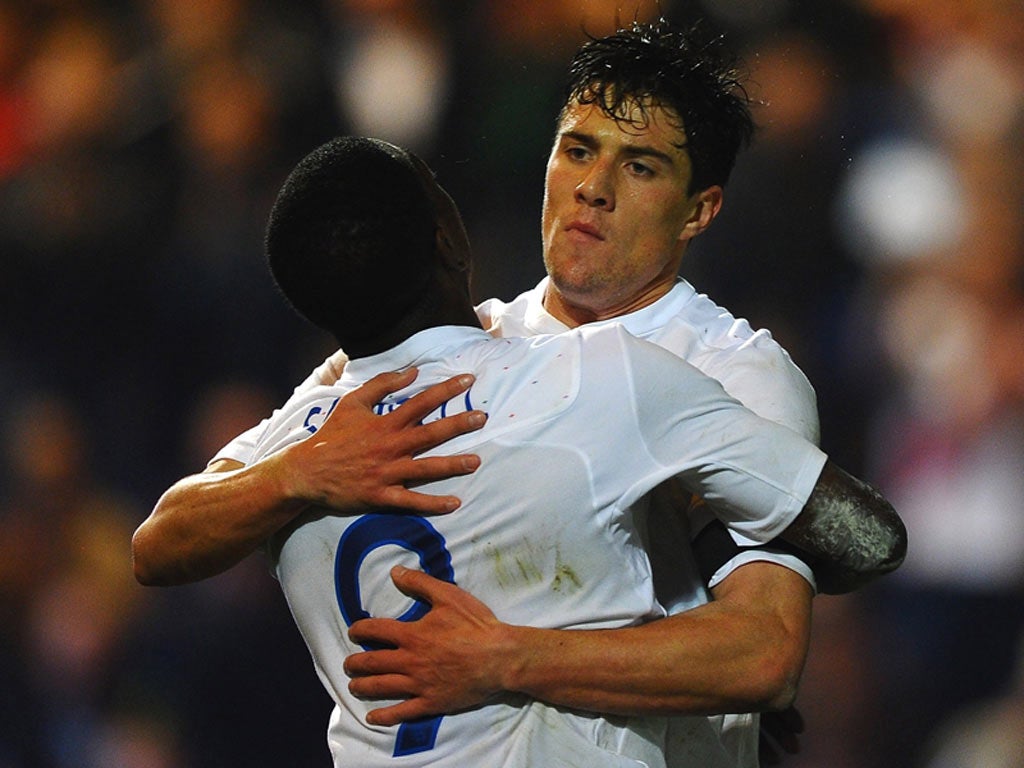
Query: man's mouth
[[585, 229]]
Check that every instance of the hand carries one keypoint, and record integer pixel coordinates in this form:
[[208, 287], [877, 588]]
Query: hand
[[358, 460], [779, 733], [446, 662]]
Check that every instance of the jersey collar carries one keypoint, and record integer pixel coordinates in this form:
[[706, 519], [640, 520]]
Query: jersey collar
[[638, 323]]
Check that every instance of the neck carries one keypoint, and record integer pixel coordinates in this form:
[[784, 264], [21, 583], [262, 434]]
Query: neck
[[436, 308], [574, 313]]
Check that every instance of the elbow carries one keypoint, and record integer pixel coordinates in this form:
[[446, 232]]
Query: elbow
[[882, 550], [897, 549], [145, 570], [143, 574], [146, 577], [771, 678], [872, 545], [883, 536], [775, 686], [781, 694]]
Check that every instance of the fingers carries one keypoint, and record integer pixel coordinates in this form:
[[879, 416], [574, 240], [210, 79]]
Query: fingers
[[380, 386], [429, 468], [422, 585], [435, 433], [404, 500], [382, 686], [433, 397], [413, 437], [402, 712], [372, 632], [415, 471], [389, 686], [373, 676]]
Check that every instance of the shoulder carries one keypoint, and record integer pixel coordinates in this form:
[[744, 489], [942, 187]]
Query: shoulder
[[297, 419], [523, 316], [611, 354], [751, 365], [494, 313]]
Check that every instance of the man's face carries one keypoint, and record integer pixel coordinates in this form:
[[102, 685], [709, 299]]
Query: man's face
[[616, 211]]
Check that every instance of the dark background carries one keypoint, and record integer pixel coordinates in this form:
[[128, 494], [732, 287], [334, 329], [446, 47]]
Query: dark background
[[875, 227]]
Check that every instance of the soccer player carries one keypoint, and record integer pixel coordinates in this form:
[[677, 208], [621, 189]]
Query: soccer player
[[581, 425], [651, 125]]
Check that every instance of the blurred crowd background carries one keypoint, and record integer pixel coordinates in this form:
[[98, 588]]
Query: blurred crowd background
[[875, 227]]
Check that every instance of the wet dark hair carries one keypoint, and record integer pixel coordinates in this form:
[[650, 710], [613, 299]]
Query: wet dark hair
[[351, 238], [688, 71]]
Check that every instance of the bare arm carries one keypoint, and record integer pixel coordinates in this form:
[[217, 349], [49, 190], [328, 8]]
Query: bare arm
[[740, 653], [743, 652], [206, 523], [852, 533]]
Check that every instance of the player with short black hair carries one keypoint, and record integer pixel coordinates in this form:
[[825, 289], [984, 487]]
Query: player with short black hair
[[624, 195], [371, 225], [581, 426], [690, 72]]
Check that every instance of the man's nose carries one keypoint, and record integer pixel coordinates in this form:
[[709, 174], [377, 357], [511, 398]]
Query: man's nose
[[597, 187]]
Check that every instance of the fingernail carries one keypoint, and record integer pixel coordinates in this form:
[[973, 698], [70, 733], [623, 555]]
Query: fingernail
[[477, 418], [466, 379]]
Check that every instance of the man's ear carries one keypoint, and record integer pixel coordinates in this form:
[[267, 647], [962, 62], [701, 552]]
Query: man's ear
[[444, 247], [707, 204], [451, 258]]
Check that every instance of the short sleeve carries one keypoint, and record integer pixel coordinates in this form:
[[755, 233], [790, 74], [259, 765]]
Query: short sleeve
[[242, 447]]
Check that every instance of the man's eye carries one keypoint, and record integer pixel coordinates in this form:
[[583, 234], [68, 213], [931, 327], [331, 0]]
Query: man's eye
[[639, 169], [576, 153]]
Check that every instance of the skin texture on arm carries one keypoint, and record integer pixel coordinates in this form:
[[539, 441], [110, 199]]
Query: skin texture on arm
[[852, 533], [742, 652], [208, 522]]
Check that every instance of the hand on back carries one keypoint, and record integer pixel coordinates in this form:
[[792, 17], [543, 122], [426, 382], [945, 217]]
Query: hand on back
[[359, 460]]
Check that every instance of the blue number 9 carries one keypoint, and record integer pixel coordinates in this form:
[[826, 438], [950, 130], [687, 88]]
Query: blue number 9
[[416, 535]]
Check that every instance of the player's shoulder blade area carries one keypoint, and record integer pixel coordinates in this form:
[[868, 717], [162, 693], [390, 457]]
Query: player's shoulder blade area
[[521, 381]]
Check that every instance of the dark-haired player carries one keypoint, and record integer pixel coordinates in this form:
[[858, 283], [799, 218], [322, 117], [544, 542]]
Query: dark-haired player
[[581, 425], [650, 128]]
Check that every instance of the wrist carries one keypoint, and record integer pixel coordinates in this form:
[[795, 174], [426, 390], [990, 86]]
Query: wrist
[[517, 656], [278, 480]]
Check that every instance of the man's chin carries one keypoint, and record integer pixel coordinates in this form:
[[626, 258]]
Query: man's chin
[[585, 300], [580, 293]]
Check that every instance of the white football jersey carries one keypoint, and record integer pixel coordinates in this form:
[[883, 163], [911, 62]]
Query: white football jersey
[[757, 371], [580, 427]]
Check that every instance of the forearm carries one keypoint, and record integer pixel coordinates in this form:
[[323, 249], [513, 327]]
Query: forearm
[[743, 652], [727, 656], [619, 672], [206, 523]]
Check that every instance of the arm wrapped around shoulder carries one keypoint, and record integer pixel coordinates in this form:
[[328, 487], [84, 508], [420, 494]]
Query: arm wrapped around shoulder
[[850, 530]]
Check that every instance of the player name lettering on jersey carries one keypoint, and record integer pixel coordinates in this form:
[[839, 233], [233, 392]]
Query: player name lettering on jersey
[[460, 404]]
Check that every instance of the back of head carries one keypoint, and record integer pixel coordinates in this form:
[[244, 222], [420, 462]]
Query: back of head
[[351, 238], [688, 71]]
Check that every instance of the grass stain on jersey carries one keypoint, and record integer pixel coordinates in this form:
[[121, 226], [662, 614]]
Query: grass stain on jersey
[[565, 575], [517, 566]]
